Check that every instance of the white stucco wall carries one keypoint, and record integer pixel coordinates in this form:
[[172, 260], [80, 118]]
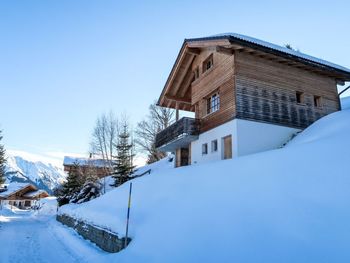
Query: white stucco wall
[[247, 137], [254, 137], [206, 137]]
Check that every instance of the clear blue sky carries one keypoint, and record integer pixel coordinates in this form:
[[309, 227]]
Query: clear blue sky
[[62, 63]]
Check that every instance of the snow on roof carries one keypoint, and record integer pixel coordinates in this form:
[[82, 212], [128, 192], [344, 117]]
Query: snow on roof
[[274, 47], [85, 161], [34, 193], [12, 188]]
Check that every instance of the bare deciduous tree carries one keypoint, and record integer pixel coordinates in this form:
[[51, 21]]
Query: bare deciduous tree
[[105, 136], [158, 119]]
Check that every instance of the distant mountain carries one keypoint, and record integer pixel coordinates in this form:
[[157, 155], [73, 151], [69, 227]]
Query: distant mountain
[[43, 174]]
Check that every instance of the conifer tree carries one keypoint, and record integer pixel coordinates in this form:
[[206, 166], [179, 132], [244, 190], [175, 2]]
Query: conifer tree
[[124, 160], [74, 180], [2, 161]]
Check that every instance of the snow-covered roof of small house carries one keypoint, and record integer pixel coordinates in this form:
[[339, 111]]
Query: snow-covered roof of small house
[[33, 194], [13, 188], [85, 161], [268, 45]]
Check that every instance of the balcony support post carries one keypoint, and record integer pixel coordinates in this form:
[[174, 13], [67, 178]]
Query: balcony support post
[[177, 112]]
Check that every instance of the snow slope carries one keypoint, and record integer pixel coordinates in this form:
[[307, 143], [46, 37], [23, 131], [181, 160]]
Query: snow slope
[[43, 174], [345, 103], [285, 205]]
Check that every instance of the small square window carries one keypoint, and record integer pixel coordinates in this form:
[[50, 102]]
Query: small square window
[[208, 63], [317, 101], [214, 146], [299, 97], [204, 148]]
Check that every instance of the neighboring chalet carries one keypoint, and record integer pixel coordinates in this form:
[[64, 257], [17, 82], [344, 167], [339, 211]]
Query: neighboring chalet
[[21, 195], [100, 167], [247, 96]]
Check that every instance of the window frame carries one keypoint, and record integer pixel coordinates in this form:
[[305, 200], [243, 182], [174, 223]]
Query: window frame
[[317, 101], [210, 60], [214, 142], [204, 148], [213, 103], [299, 97]]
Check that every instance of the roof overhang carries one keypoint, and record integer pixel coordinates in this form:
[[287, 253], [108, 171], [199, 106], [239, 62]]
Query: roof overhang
[[176, 93], [271, 51]]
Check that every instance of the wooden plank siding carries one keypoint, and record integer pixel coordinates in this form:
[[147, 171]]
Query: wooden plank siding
[[266, 91], [219, 79], [252, 83]]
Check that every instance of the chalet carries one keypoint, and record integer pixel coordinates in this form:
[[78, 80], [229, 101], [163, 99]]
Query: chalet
[[21, 195], [246, 96], [100, 167]]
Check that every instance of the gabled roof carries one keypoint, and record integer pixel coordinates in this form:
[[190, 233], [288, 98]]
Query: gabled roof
[[234, 37], [12, 188], [180, 76], [36, 193]]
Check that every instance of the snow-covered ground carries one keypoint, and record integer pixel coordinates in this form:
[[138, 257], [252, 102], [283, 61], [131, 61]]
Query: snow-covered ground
[[27, 236], [345, 103], [285, 205]]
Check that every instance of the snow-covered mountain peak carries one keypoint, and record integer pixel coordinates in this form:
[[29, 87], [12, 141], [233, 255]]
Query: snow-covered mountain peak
[[25, 167]]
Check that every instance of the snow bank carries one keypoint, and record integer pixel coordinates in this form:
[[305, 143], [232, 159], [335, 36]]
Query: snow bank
[[285, 205], [345, 103], [48, 206]]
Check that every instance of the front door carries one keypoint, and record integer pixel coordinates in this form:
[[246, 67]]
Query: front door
[[184, 156], [227, 147]]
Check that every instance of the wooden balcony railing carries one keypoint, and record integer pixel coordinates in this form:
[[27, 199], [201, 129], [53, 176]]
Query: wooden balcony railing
[[181, 129]]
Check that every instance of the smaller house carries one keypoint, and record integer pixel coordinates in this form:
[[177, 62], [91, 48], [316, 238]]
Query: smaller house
[[100, 167], [21, 195]]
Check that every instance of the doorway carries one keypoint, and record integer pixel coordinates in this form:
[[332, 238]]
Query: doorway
[[182, 156], [227, 147]]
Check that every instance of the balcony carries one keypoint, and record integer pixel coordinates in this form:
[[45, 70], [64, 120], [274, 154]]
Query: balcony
[[178, 135]]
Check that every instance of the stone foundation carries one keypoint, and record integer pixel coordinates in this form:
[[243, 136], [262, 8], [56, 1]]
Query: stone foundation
[[105, 239]]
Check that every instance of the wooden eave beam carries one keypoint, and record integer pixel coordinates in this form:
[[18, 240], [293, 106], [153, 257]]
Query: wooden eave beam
[[208, 43], [193, 51], [176, 99], [187, 66], [225, 50], [186, 83]]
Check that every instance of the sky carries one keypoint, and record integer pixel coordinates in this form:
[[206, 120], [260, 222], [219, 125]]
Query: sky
[[64, 63]]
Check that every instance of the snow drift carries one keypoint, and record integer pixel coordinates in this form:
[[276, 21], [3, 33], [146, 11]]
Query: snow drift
[[285, 205]]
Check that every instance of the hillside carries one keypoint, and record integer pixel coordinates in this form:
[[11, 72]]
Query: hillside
[[42, 173], [285, 205]]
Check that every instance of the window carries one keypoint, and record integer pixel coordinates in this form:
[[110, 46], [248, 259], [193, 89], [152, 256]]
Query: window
[[214, 146], [196, 73], [299, 97], [213, 103], [208, 63], [204, 148], [317, 101]]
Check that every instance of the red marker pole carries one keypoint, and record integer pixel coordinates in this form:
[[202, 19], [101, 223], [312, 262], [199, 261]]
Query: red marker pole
[[127, 218]]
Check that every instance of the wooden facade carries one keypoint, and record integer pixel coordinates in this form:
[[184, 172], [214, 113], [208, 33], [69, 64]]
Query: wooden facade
[[98, 171], [98, 167], [267, 91], [21, 195], [254, 82]]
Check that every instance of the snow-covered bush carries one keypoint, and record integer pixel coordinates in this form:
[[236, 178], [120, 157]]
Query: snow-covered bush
[[82, 185], [89, 191]]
